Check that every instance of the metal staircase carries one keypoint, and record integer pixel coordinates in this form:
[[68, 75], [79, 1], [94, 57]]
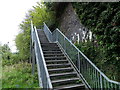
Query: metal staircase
[[61, 72], [61, 65]]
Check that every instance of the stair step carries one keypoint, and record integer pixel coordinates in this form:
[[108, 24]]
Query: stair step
[[42, 36], [64, 81], [54, 58], [59, 70], [49, 44], [56, 61], [58, 65], [61, 74], [51, 55], [52, 52], [70, 86], [48, 47]]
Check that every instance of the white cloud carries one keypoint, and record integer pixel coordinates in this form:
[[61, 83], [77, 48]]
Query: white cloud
[[12, 12]]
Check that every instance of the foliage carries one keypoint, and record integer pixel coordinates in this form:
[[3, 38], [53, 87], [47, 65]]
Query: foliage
[[41, 14], [94, 53], [58, 8], [23, 44], [38, 15], [15, 73], [18, 76], [14, 59], [5, 51], [103, 19]]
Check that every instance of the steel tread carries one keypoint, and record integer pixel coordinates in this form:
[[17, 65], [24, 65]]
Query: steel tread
[[55, 57], [58, 69], [56, 54], [57, 60], [70, 86], [64, 80], [52, 51], [67, 64], [61, 74]]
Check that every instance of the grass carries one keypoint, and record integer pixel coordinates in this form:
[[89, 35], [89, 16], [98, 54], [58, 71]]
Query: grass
[[19, 76]]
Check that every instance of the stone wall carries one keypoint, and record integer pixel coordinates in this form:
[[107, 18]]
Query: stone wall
[[70, 25]]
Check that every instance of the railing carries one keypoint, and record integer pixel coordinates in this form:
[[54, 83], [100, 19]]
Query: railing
[[90, 74], [48, 33], [43, 75]]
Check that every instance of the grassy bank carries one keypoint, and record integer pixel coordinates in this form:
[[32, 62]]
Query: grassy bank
[[18, 76]]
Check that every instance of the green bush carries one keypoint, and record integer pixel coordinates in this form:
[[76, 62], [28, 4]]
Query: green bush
[[14, 59]]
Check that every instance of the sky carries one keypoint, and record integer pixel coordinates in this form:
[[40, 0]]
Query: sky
[[12, 13]]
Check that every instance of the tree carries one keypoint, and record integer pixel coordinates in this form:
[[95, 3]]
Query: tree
[[38, 15]]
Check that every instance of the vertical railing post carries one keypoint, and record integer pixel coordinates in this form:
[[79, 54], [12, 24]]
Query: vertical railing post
[[96, 80], [79, 62], [32, 54], [101, 86], [30, 51], [64, 44], [33, 60], [56, 36], [31, 31], [52, 37]]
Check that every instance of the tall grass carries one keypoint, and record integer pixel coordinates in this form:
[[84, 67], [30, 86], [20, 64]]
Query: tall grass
[[18, 75]]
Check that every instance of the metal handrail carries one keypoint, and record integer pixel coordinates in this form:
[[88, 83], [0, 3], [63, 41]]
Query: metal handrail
[[95, 69], [87, 58], [95, 78], [48, 33], [43, 74]]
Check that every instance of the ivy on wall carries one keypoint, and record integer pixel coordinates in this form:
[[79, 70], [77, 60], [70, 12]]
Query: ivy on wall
[[103, 19]]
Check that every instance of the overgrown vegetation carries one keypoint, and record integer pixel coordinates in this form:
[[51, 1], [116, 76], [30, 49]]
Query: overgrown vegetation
[[18, 76], [16, 69], [5, 51], [16, 73], [103, 19]]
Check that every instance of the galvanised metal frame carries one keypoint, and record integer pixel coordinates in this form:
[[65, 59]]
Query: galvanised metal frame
[[43, 75], [48, 33], [90, 74]]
